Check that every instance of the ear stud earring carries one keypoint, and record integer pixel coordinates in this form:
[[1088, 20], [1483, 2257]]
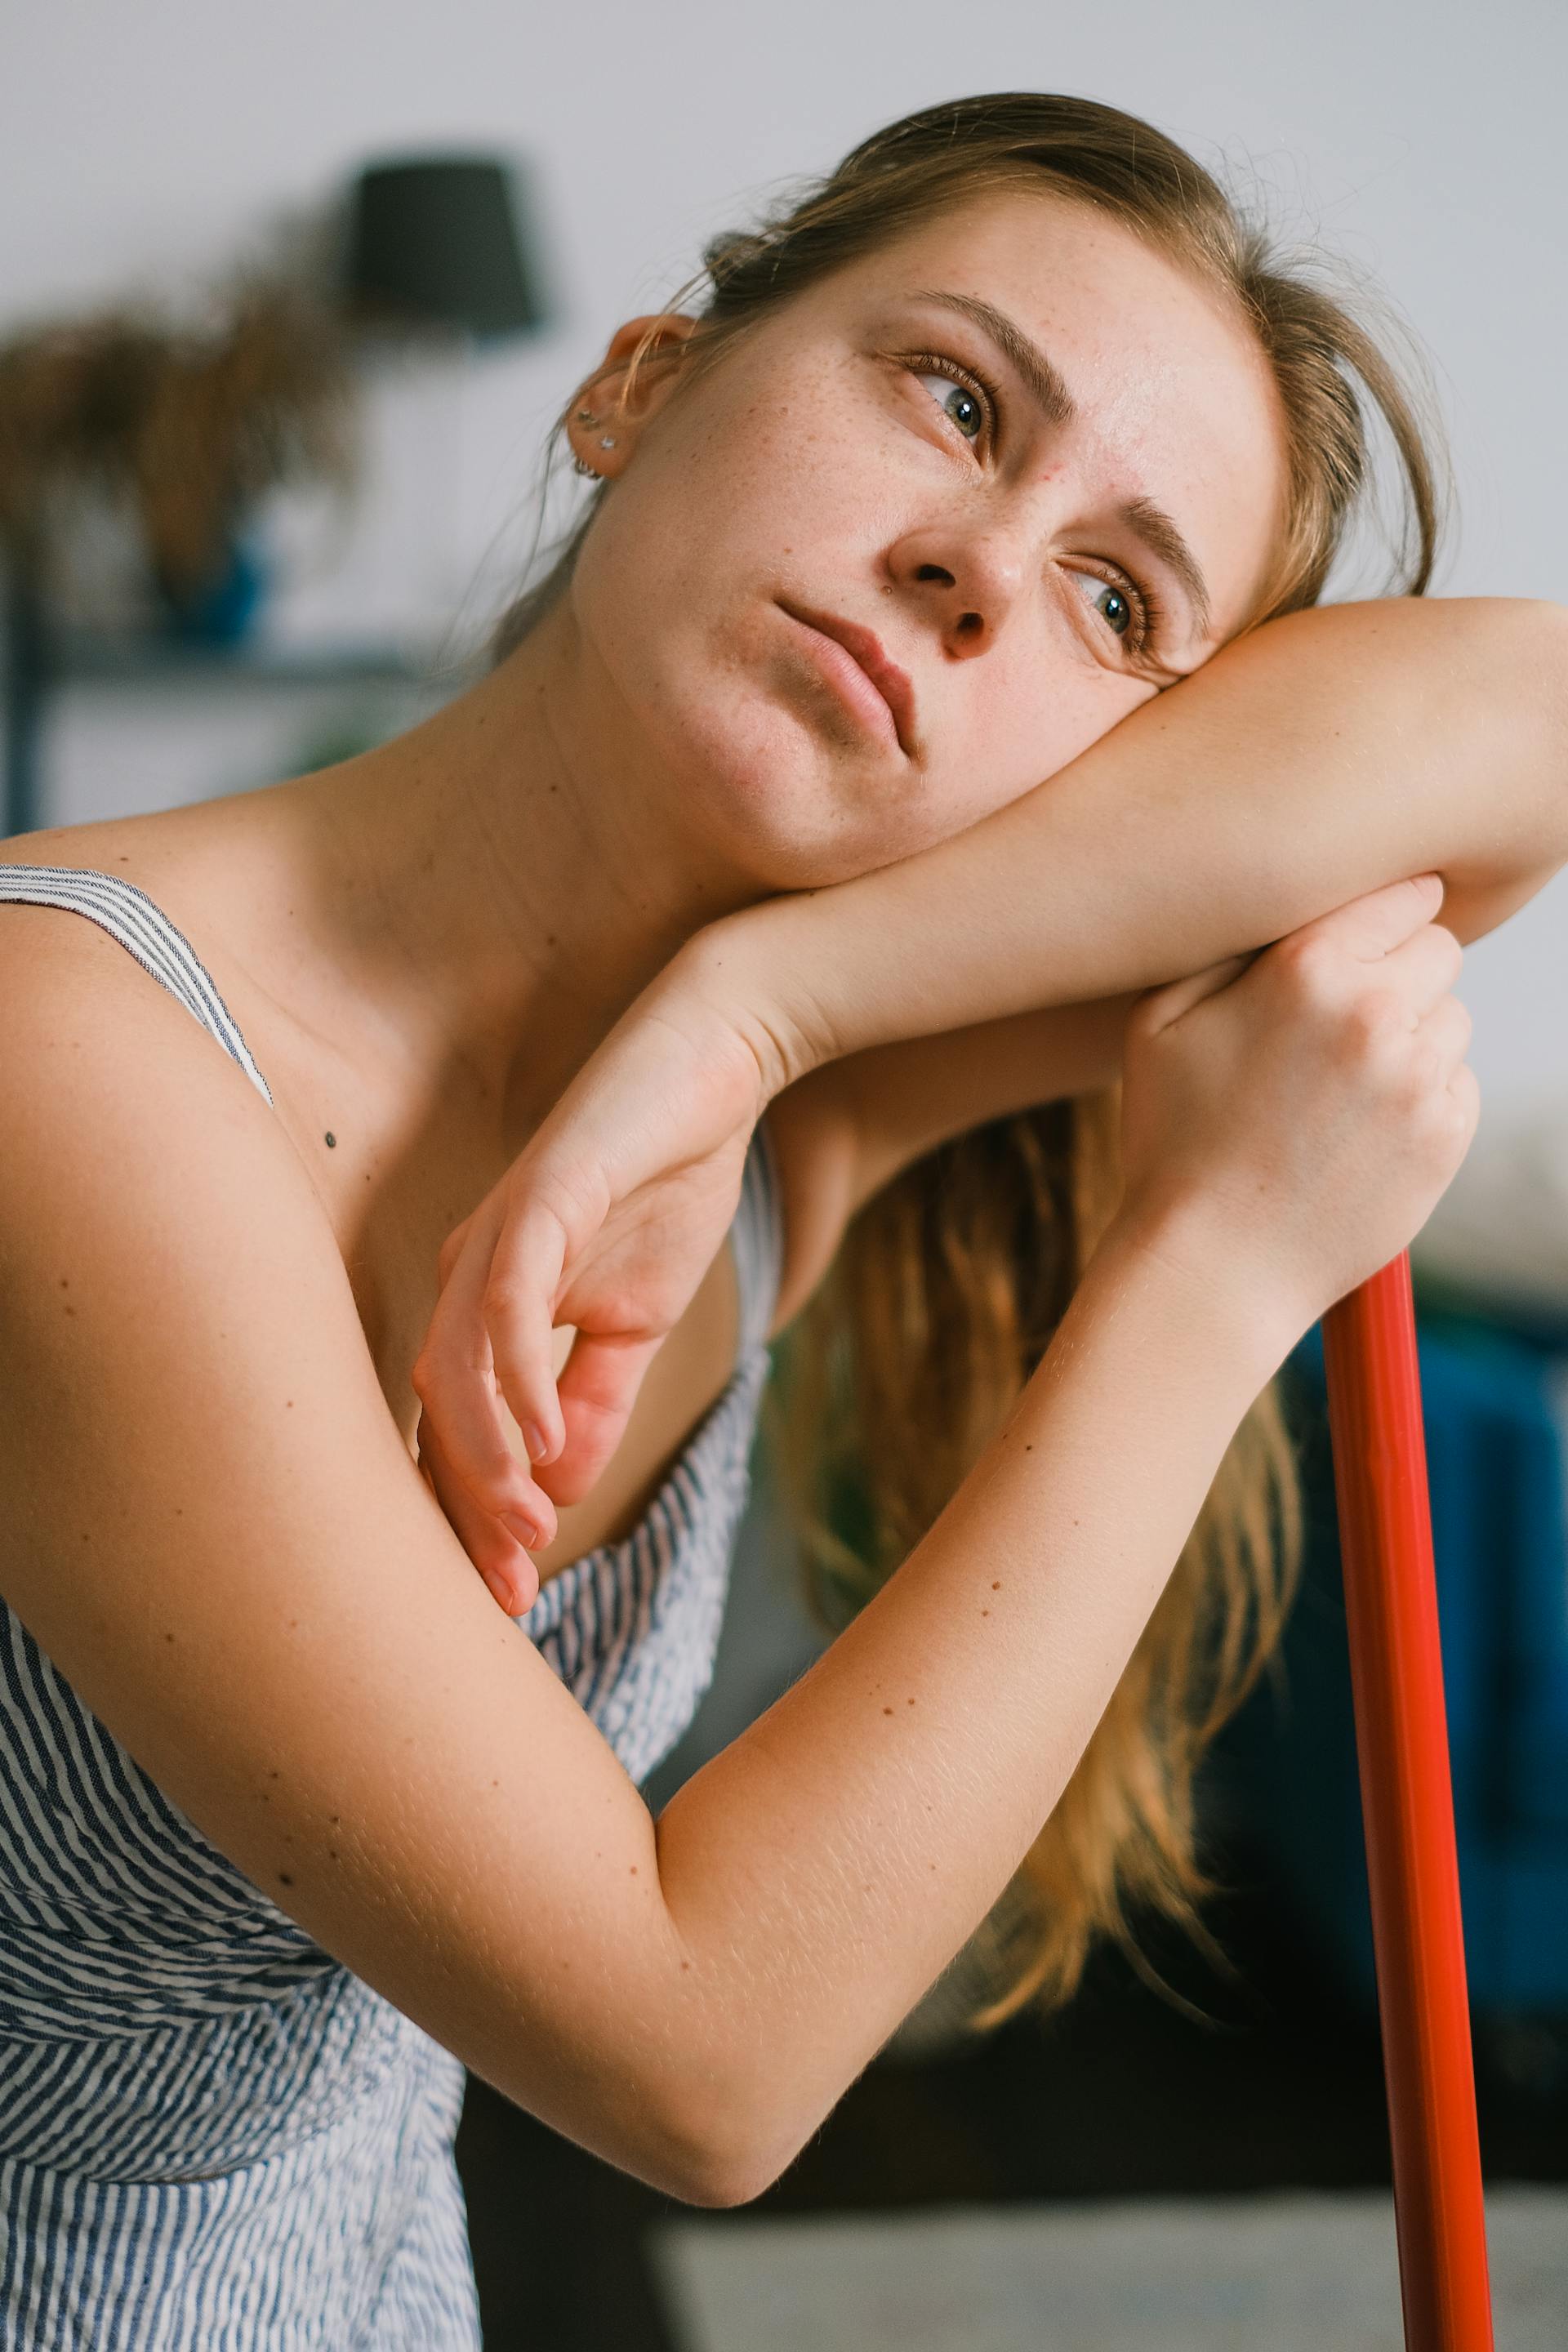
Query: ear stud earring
[[586, 416]]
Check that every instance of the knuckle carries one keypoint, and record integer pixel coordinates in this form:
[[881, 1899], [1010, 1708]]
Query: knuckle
[[503, 1497], [1373, 1019], [504, 1296], [1454, 952], [1429, 1074], [1308, 962]]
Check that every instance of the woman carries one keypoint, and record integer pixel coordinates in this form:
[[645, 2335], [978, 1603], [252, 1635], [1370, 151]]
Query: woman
[[296, 1825]]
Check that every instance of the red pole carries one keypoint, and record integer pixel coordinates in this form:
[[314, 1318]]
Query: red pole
[[1402, 1741]]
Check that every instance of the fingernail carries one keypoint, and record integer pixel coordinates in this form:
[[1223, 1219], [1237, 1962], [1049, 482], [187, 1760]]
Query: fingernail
[[533, 1438], [501, 1593], [527, 1534]]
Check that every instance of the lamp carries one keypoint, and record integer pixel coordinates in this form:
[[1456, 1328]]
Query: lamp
[[435, 241], [438, 263]]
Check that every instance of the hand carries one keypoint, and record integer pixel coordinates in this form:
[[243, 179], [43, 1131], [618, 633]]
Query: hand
[[607, 1221], [1290, 1120]]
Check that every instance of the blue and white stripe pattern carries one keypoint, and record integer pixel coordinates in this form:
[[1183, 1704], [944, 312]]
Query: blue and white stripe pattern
[[214, 2137]]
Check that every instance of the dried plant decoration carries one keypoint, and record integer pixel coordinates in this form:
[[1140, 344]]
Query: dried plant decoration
[[189, 423]]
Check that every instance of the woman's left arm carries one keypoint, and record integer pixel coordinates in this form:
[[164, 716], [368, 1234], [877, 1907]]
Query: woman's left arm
[[1327, 753]]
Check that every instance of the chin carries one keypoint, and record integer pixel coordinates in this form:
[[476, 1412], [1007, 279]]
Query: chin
[[787, 806]]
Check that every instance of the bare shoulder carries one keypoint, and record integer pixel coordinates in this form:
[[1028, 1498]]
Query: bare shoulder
[[214, 1529]]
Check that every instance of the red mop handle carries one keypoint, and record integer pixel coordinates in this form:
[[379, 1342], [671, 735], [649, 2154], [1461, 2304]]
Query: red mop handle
[[1407, 1806]]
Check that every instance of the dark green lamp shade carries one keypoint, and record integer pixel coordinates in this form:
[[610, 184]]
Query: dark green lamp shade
[[435, 242]]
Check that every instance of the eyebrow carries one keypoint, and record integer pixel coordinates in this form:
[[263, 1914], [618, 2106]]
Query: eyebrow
[[1048, 388]]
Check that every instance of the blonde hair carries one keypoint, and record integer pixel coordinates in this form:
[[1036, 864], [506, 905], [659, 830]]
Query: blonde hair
[[949, 1285]]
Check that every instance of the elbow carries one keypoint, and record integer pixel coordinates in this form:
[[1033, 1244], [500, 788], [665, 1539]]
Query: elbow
[[733, 2161], [718, 2190], [728, 2179]]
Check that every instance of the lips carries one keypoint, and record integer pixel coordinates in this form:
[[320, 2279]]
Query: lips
[[865, 647]]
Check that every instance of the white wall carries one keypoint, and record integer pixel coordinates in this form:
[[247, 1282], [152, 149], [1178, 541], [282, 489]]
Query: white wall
[[153, 142]]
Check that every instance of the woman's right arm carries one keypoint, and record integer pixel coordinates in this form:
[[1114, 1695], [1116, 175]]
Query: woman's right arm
[[1281, 1142], [825, 1867], [214, 1528]]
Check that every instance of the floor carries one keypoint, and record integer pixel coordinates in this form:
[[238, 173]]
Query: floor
[[1121, 2095], [1288, 2271]]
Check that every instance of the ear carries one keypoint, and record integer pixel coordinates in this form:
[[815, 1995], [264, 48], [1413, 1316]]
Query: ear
[[616, 415]]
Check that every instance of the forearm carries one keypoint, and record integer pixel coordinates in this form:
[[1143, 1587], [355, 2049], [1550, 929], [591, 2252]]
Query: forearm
[[824, 1869], [1331, 752]]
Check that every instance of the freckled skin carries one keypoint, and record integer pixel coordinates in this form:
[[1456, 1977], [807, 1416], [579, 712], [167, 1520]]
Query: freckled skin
[[814, 437], [661, 749]]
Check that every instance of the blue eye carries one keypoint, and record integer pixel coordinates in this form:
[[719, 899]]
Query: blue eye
[[961, 406], [1115, 607], [968, 401]]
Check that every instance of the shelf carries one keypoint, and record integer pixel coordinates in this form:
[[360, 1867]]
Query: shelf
[[77, 657], [43, 660]]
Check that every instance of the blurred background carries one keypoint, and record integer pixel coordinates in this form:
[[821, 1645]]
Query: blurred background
[[288, 298]]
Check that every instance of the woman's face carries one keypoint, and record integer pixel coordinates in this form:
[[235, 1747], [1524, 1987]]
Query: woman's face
[[1041, 465]]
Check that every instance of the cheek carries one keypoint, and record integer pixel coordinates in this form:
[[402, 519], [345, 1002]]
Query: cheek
[[708, 516], [1008, 734]]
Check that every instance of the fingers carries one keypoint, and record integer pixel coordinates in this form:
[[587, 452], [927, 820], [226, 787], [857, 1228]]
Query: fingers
[[454, 1378], [1374, 925], [1465, 1087], [1445, 1033], [598, 1387], [524, 1249], [502, 1561], [1382, 925], [1160, 1006], [1425, 967]]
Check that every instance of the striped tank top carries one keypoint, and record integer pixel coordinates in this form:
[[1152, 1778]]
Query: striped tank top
[[213, 2137]]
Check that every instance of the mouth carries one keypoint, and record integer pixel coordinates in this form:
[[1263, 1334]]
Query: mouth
[[890, 705]]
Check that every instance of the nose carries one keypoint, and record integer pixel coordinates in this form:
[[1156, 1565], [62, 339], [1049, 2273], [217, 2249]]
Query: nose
[[970, 573]]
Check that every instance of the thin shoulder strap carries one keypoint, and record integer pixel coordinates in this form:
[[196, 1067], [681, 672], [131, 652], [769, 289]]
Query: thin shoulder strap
[[757, 1239], [145, 931], [142, 928]]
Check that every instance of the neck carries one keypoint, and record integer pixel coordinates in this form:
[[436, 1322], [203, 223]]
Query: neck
[[506, 877]]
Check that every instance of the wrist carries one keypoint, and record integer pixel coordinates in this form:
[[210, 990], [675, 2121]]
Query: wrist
[[744, 970], [1243, 1305]]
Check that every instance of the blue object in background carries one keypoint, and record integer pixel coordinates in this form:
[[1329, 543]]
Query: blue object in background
[[1495, 1465], [222, 610]]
